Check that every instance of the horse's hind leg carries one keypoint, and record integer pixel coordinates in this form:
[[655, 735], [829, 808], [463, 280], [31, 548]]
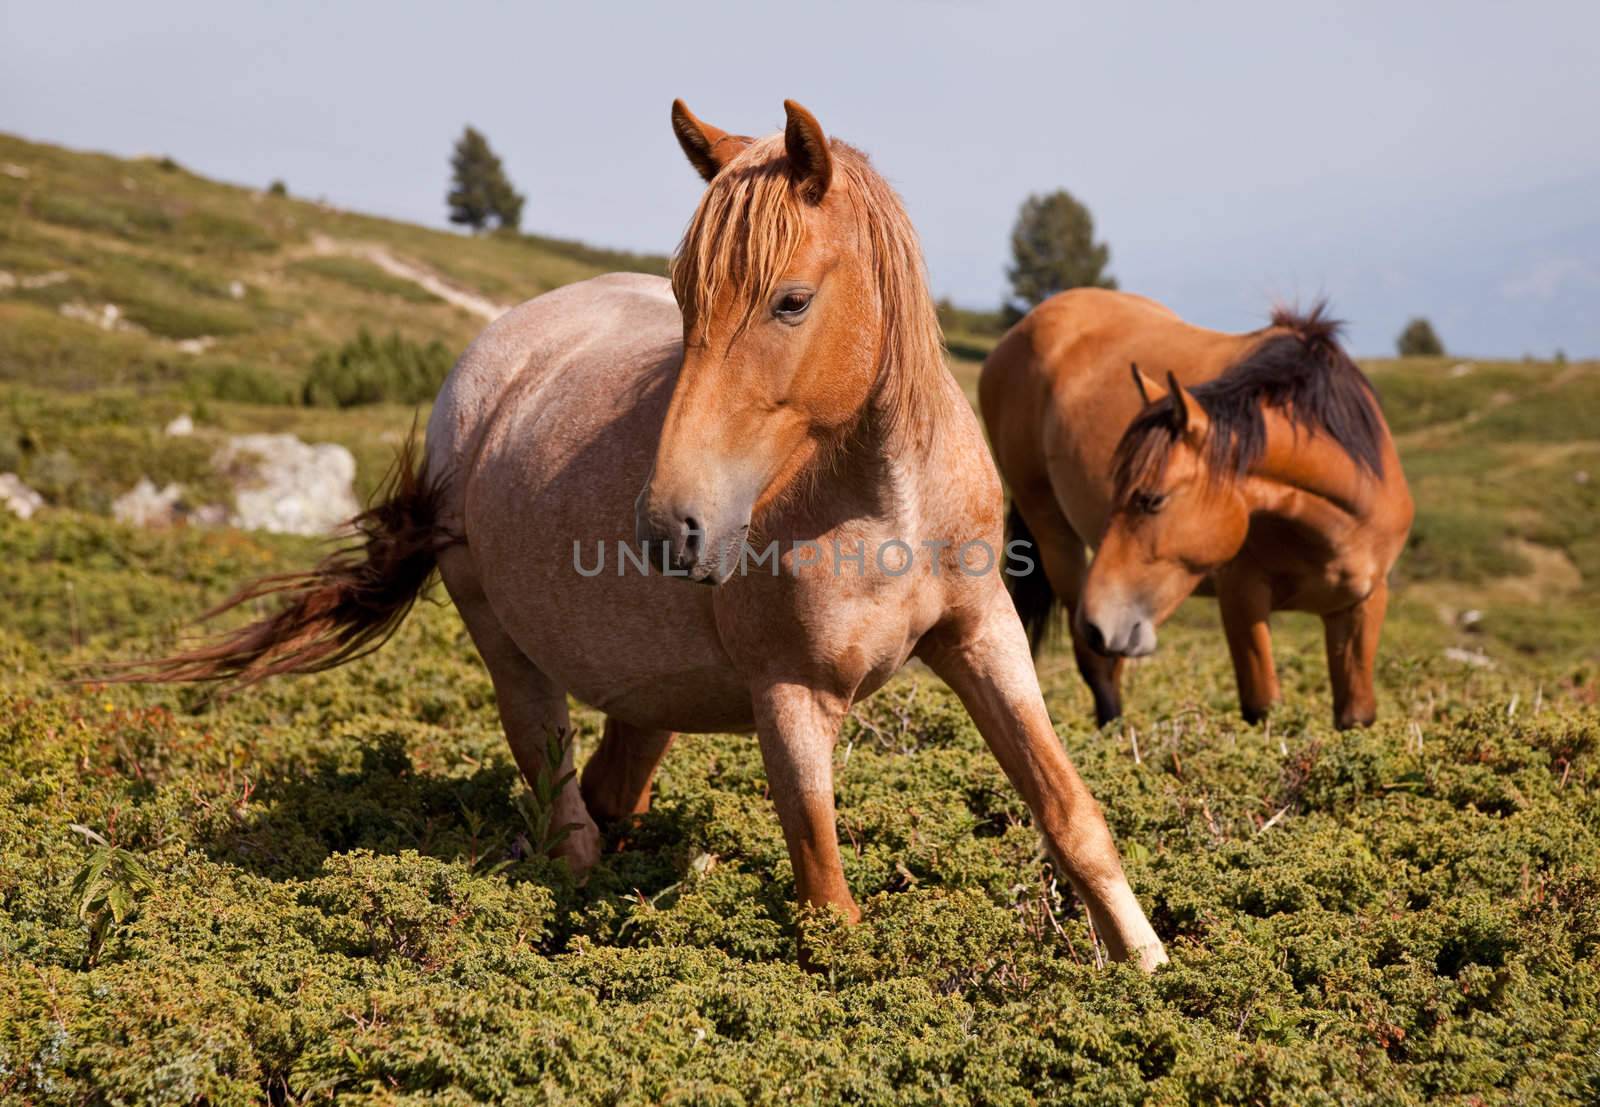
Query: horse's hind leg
[[533, 709], [1352, 640], [616, 779], [1066, 566]]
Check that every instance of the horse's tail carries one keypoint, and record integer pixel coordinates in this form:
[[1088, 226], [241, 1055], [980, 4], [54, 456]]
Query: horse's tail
[[349, 605], [1035, 600]]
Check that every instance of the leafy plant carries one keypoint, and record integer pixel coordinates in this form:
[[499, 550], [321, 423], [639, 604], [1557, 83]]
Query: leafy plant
[[538, 804], [106, 889]]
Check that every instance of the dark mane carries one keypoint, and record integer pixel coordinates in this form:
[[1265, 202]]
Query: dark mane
[[1301, 370]]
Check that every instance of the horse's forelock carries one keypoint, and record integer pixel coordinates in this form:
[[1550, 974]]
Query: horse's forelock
[[748, 227]]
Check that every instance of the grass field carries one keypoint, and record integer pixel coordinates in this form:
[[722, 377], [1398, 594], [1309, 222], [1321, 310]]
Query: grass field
[[324, 887]]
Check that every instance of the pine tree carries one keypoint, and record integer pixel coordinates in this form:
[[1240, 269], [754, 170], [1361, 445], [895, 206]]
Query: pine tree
[[1419, 340], [1053, 249], [480, 190]]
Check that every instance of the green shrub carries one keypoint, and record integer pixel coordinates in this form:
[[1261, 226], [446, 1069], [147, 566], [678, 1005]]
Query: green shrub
[[369, 370], [243, 384]]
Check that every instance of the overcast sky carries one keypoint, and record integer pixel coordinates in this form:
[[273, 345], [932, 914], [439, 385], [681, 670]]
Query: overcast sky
[[1438, 158]]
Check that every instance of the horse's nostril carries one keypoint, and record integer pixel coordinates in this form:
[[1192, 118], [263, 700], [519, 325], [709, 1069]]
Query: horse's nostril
[[693, 537], [1092, 635]]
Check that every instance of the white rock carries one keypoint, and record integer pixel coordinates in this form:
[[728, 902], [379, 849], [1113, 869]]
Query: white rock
[[209, 515], [108, 317], [1469, 657], [18, 498], [145, 505], [288, 486], [181, 426], [236, 290], [196, 345]]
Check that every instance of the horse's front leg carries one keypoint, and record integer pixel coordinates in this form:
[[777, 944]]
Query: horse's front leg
[[986, 661], [798, 727], [1245, 599], [1352, 639]]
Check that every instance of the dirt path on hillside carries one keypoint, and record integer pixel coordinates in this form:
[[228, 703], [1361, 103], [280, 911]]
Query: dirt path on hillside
[[1436, 431], [418, 274]]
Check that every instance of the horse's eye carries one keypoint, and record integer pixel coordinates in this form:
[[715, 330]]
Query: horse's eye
[[1148, 503], [792, 305]]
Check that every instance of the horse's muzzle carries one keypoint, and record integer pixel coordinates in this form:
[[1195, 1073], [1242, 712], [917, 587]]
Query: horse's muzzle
[[1133, 636], [680, 545]]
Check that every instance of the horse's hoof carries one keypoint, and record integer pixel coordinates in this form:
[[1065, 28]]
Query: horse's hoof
[[1151, 957]]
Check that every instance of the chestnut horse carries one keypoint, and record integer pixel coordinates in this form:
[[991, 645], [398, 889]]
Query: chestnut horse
[[1264, 466], [786, 396]]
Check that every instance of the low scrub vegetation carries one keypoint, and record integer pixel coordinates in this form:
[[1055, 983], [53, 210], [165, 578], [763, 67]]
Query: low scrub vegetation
[[368, 370], [328, 886]]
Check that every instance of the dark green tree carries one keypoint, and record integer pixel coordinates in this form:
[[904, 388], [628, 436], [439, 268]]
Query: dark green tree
[[1053, 249], [1419, 340], [480, 191]]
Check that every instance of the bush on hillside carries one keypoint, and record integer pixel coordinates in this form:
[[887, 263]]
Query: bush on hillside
[[1419, 340], [953, 318], [244, 384], [368, 370]]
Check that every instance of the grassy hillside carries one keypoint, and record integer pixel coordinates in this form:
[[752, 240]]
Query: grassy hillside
[[270, 279], [323, 887], [220, 301]]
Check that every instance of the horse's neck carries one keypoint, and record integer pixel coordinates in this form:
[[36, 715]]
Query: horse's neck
[[897, 463], [1308, 478]]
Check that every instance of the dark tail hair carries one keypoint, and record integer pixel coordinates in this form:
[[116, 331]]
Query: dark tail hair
[[1035, 600], [348, 606]]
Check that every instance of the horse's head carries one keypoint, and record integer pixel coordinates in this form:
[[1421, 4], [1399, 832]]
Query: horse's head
[[1179, 513], [789, 278]]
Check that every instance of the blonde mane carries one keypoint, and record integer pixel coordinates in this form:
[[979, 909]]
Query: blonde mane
[[744, 235]]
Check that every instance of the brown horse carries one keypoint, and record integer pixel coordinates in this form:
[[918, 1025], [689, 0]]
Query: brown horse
[[1264, 466], [801, 449]]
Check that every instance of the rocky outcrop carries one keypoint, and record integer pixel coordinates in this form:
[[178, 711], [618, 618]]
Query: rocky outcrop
[[145, 505], [17, 497], [288, 486]]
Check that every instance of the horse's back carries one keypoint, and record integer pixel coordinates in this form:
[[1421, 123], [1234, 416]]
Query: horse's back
[[531, 343], [1057, 391]]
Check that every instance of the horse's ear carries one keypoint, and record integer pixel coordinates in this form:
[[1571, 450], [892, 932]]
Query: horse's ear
[[1188, 416], [707, 148], [1149, 390], [810, 163]]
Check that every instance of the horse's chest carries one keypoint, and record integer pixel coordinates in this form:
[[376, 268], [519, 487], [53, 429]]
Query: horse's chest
[[845, 608], [1310, 570]]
